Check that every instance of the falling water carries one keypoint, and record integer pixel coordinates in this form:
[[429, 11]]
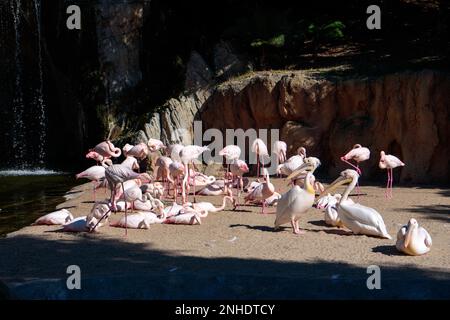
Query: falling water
[[18, 138], [40, 94]]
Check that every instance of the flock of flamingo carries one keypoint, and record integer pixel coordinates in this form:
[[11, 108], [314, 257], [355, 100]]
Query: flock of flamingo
[[176, 178]]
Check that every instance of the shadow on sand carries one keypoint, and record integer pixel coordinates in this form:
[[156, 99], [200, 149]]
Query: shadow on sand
[[35, 268]]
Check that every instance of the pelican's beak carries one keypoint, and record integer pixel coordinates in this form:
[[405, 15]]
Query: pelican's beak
[[300, 170], [408, 235], [336, 183]]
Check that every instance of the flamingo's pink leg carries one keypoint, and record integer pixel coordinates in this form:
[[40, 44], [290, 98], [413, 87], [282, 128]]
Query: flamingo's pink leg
[[387, 184], [194, 185], [126, 213], [392, 180]]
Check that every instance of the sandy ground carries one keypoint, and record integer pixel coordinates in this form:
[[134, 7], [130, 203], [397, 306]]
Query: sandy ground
[[235, 254]]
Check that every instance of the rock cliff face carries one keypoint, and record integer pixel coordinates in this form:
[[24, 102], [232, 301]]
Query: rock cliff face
[[405, 114]]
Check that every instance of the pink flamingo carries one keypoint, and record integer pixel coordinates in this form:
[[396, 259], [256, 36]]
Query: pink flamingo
[[357, 154], [238, 168], [107, 149], [389, 162], [139, 151], [188, 154], [176, 170], [163, 172], [173, 151], [131, 163], [231, 153], [95, 174], [262, 192], [101, 160], [208, 206], [260, 148], [280, 149], [155, 144], [118, 174]]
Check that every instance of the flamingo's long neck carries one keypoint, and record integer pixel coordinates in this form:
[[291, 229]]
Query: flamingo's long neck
[[349, 189]]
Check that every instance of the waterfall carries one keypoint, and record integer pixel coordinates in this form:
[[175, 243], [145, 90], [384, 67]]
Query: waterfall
[[40, 92], [18, 126]]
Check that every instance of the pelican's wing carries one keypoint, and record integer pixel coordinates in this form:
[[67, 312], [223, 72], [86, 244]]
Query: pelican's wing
[[366, 216], [362, 214], [286, 206], [427, 237]]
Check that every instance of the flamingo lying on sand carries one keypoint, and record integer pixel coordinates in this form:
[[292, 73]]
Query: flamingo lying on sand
[[59, 217], [208, 206], [140, 220], [260, 148], [187, 216], [389, 162]]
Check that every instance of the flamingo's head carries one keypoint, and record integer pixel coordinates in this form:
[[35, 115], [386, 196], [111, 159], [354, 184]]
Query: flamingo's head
[[382, 163]]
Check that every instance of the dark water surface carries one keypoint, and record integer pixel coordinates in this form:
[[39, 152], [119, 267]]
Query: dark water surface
[[26, 195]]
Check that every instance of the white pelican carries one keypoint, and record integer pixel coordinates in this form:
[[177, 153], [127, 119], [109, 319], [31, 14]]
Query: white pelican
[[297, 200], [356, 217], [328, 204], [413, 240]]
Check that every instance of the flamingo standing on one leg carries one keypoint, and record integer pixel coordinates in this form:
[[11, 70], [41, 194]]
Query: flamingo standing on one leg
[[188, 154], [260, 148], [357, 154], [389, 162], [280, 149], [231, 153]]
